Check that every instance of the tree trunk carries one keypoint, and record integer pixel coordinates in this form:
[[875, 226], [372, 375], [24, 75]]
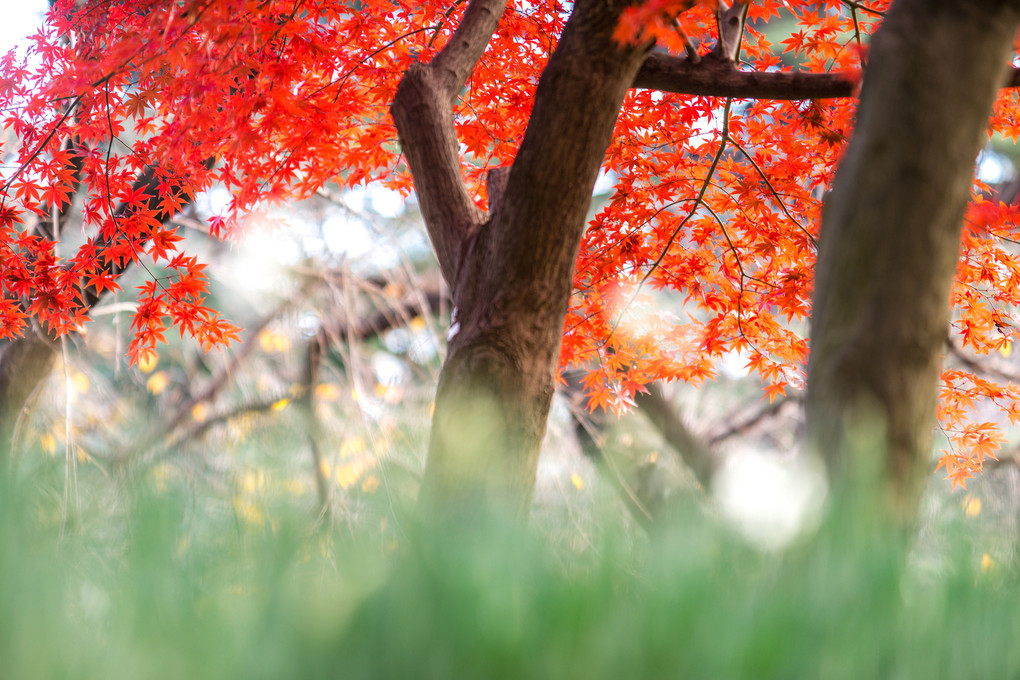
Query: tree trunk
[[511, 271], [891, 235], [25, 363]]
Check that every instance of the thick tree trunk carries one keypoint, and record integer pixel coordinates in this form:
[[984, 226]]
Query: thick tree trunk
[[890, 236], [496, 386], [511, 272]]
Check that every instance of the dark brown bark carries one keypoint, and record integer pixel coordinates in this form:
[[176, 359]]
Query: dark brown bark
[[890, 237], [715, 77], [423, 112], [511, 273]]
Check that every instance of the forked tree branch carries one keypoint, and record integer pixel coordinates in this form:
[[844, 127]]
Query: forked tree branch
[[423, 112], [979, 366]]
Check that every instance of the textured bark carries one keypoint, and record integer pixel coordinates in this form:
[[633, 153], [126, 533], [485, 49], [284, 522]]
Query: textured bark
[[423, 112], [890, 236], [510, 272]]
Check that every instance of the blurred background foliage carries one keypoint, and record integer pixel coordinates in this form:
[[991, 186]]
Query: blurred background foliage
[[250, 513]]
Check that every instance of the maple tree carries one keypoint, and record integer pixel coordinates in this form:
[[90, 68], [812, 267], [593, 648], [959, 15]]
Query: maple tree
[[505, 113]]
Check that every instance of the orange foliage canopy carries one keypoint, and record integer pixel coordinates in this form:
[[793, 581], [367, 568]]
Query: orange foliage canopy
[[717, 200]]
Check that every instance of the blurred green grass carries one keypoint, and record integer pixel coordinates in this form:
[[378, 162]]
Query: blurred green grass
[[171, 592]]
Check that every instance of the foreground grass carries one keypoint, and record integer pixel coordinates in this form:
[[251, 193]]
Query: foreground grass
[[168, 593]]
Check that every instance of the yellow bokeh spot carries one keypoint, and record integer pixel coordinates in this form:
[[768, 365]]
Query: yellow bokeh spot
[[253, 481], [324, 468], [987, 563], [147, 362], [248, 511], [352, 447], [280, 404], [83, 456], [157, 382], [80, 382], [418, 324], [1006, 349], [576, 480], [240, 426], [347, 475], [391, 394], [161, 475], [370, 484], [48, 442], [295, 487], [653, 457], [199, 412], [972, 506], [273, 343], [327, 391]]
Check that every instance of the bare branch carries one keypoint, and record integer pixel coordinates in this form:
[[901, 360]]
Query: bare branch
[[714, 77], [495, 183], [975, 365], [313, 428], [693, 450], [740, 424], [457, 59]]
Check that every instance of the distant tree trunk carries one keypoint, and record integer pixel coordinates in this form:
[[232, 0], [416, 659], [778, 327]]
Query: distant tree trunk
[[891, 235], [25, 363]]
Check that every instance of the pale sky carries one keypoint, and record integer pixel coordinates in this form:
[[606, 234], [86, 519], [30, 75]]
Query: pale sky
[[20, 19]]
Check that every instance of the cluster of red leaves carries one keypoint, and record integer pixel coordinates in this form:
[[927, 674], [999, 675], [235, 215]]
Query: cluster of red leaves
[[270, 100], [720, 201], [715, 206], [654, 19]]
